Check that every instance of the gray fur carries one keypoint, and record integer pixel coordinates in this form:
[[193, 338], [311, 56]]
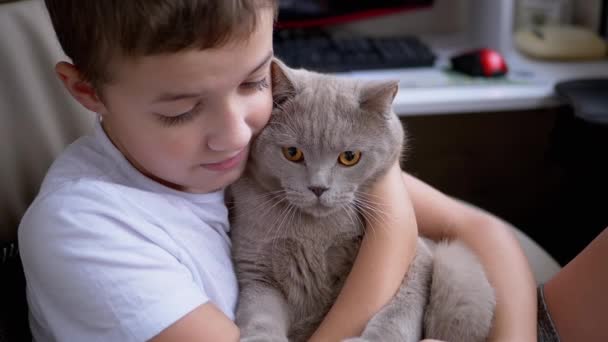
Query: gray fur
[[293, 249], [461, 306]]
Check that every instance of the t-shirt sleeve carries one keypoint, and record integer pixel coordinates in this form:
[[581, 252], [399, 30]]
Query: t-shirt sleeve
[[96, 273]]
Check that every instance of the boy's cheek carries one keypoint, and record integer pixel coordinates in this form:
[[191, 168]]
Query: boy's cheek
[[160, 151], [262, 116], [183, 150]]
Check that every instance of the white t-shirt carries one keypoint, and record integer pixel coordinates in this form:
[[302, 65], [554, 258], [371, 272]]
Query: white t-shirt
[[111, 255]]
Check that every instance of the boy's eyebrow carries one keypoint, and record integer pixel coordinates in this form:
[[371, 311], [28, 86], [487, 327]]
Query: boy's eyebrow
[[169, 97], [263, 63]]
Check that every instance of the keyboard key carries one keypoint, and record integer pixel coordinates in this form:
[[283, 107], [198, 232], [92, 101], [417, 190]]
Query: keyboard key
[[316, 50]]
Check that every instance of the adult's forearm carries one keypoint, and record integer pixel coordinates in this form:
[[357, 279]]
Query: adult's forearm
[[576, 296]]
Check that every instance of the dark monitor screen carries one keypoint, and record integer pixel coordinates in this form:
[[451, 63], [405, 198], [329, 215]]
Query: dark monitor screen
[[306, 13]]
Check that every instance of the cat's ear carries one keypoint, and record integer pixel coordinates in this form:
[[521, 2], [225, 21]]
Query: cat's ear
[[282, 82], [378, 96]]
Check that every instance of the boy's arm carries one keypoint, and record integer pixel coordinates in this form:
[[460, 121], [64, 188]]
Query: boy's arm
[[442, 217], [205, 323], [383, 259]]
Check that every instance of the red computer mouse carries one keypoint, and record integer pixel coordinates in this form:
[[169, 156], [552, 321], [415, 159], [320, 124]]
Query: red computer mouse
[[481, 62]]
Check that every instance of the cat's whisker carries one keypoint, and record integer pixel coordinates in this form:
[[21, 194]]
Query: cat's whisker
[[351, 211], [262, 208], [372, 215], [375, 206], [374, 223], [269, 230], [274, 224], [370, 207], [358, 215], [233, 202], [368, 227], [367, 195], [279, 227], [348, 210], [283, 216], [368, 198], [260, 196], [352, 214], [292, 212], [352, 208], [277, 222]]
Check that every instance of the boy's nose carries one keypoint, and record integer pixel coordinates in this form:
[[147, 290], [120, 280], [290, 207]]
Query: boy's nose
[[232, 135]]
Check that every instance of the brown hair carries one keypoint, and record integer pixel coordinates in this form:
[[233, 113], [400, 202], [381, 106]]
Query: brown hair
[[92, 32]]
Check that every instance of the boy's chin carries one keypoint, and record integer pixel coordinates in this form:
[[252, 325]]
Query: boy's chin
[[218, 181]]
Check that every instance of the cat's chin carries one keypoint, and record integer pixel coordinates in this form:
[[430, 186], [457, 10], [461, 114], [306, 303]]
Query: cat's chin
[[319, 210]]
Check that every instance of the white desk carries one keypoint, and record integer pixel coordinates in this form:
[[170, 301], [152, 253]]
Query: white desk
[[529, 85], [481, 23]]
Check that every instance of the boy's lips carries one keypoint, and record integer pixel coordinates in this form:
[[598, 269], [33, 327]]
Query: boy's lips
[[227, 164]]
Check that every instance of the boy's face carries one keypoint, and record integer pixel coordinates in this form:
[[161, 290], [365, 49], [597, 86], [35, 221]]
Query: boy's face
[[186, 119]]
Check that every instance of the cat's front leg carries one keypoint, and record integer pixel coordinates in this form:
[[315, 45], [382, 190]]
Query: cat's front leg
[[262, 314]]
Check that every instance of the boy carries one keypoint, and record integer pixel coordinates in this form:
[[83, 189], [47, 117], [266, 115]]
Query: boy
[[128, 237]]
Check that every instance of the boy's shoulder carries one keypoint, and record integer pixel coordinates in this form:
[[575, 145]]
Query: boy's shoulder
[[85, 202], [84, 185], [92, 189], [82, 161], [92, 168]]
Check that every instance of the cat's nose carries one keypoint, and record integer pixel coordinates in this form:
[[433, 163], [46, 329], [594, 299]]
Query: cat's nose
[[317, 190]]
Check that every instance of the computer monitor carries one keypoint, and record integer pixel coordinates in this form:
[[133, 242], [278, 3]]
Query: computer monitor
[[310, 13]]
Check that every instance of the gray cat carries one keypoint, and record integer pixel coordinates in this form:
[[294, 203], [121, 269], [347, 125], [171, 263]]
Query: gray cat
[[298, 220]]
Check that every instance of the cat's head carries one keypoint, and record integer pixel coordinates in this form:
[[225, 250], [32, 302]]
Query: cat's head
[[328, 138]]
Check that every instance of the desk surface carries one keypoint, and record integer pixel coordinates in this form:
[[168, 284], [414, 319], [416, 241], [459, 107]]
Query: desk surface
[[529, 84]]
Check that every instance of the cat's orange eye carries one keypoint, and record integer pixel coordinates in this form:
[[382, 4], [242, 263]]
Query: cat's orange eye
[[293, 154], [349, 158]]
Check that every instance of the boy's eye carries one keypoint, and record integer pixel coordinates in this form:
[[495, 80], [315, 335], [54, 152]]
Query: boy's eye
[[349, 158], [175, 120], [258, 85]]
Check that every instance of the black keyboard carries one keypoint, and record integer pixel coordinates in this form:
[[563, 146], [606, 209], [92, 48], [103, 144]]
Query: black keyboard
[[319, 51]]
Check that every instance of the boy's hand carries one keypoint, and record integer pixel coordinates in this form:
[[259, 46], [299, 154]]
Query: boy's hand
[[389, 193], [383, 259]]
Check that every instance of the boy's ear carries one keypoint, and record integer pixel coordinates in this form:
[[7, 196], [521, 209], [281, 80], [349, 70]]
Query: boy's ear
[[80, 89], [282, 83]]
